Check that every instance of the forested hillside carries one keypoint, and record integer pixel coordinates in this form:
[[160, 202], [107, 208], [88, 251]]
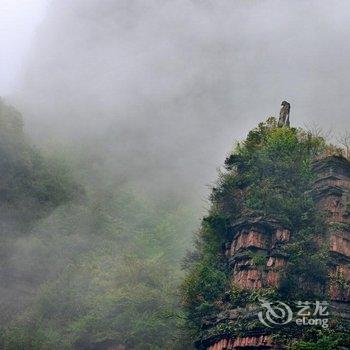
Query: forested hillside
[[90, 262]]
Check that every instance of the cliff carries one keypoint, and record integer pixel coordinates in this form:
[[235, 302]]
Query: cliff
[[331, 192], [284, 237]]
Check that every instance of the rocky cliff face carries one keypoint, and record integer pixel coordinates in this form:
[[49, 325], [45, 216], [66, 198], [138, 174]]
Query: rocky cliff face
[[332, 196], [254, 236]]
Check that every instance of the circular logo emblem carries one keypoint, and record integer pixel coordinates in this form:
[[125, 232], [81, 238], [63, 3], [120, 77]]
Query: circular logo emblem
[[275, 313]]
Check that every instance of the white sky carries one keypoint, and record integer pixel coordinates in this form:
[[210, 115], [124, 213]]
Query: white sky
[[18, 22]]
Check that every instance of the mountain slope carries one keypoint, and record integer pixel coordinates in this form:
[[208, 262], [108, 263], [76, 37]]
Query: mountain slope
[[267, 239]]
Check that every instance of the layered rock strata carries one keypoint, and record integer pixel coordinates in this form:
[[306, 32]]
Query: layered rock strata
[[260, 240]]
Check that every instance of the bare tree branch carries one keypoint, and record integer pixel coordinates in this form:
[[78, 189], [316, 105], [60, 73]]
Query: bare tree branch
[[317, 131], [344, 141]]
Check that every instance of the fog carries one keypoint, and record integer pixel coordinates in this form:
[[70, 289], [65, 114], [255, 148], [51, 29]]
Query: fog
[[168, 86], [18, 22], [152, 95]]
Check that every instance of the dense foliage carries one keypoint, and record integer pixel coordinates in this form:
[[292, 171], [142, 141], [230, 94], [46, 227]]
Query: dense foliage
[[118, 285], [88, 261], [99, 265], [30, 185], [268, 175]]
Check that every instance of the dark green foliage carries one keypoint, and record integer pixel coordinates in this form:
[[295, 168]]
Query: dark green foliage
[[321, 340], [30, 185], [122, 284], [270, 175], [102, 268], [204, 287], [258, 259], [106, 268]]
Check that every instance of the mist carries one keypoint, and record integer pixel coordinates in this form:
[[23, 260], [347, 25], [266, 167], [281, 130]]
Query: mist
[[150, 97], [169, 86]]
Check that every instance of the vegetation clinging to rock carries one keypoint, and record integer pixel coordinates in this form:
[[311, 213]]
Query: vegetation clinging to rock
[[268, 175]]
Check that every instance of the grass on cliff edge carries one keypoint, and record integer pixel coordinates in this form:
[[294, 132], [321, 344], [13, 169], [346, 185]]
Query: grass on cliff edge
[[270, 175]]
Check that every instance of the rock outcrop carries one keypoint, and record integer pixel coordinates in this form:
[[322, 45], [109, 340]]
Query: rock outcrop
[[260, 239], [332, 194]]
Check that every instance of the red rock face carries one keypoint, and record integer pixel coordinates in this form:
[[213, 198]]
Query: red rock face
[[339, 293], [333, 187], [336, 207], [275, 262], [340, 243], [264, 342], [248, 279], [249, 342], [273, 278], [339, 183], [280, 236], [257, 240], [331, 181], [247, 239], [222, 344], [263, 237], [340, 283]]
